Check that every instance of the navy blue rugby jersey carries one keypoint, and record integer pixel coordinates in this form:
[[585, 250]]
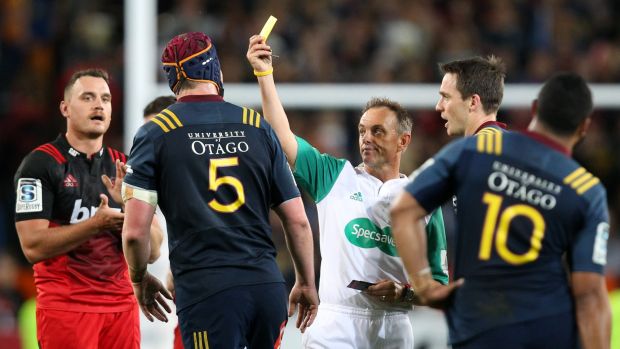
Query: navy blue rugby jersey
[[217, 168], [58, 183], [524, 204]]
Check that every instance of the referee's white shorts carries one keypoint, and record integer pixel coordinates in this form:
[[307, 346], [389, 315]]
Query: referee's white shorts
[[343, 327]]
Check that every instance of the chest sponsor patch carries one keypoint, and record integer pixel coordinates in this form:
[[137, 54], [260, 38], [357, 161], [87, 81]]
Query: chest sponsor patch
[[362, 232], [29, 195]]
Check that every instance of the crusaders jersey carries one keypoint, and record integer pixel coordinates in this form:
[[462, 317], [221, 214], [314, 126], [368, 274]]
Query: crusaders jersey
[[58, 183], [525, 207], [217, 169]]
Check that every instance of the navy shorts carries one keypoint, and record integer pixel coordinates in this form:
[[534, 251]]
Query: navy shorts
[[252, 316], [556, 331]]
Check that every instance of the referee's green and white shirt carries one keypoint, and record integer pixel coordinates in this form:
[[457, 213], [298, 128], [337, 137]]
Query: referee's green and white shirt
[[355, 235]]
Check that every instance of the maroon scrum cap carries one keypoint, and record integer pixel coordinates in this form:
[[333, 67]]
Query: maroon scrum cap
[[192, 56]]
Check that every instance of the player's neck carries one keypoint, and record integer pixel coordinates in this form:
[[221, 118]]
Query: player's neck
[[567, 142], [478, 121], [84, 144], [199, 89]]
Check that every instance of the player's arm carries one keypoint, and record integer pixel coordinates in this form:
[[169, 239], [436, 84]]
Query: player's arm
[[588, 257], [150, 292], [114, 188], [39, 241], [136, 236], [592, 309], [409, 233], [299, 242], [396, 292], [259, 56], [156, 237]]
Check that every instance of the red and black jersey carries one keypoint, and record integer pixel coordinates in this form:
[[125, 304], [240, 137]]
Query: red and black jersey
[[60, 184]]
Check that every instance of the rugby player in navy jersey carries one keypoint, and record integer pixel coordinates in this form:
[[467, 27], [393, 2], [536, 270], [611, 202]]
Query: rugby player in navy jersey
[[68, 218], [530, 211], [470, 95], [215, 169]]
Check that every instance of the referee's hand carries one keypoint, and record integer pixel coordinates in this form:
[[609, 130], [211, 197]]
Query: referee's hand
[[259, 54]]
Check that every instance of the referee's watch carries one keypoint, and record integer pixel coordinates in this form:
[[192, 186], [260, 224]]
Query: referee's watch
[[408, 294]]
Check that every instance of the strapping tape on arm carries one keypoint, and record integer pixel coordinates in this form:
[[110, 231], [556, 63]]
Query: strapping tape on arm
[[131, 192]]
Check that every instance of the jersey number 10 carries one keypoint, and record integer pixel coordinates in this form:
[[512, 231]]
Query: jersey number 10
[[215, 182], [500, 231]]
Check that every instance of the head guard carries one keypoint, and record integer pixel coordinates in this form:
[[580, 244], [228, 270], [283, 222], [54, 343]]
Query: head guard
[[191, 56]]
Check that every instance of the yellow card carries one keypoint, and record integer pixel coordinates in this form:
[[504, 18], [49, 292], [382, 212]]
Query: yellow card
[[268, 27]]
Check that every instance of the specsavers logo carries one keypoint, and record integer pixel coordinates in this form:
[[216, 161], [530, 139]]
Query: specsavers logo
[[363, 233]]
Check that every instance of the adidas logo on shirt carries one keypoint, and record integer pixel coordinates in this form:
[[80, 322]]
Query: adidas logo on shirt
[[357, 196], [70, 181]]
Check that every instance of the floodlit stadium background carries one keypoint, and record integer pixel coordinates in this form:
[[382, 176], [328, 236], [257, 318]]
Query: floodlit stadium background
[[383, 47]]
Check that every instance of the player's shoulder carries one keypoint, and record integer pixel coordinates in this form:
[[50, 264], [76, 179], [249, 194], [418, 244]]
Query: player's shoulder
[[51, 153], [578, 179], [43, 160], [115, 154], [163, 122]]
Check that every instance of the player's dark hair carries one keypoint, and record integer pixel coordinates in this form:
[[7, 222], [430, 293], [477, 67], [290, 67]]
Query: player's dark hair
[[94, 72], [481, 76], [564, 101], [158, 104], [404, 119]]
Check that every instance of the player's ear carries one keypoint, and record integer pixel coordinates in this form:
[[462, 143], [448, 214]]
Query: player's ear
[[64, 108], [474, 102], [583, 127], [534, 108]]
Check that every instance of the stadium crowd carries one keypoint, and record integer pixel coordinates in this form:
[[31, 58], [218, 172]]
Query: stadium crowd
[[327, 41]]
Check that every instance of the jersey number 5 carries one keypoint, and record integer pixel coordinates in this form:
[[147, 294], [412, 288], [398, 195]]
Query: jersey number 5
[[500, 231], [215, 182]]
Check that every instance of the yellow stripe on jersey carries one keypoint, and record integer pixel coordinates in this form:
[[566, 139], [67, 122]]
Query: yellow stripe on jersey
[[498, 142], [581, 180], [249, 119], [201, 341], [173, 116], [161, 124], [578, 172], [489, 141], [589, 184], [481, 142], [489, 138], [165, 118], [206, 339]]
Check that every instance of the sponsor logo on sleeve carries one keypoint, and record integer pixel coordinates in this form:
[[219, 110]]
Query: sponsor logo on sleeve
[[599, 255], [29, 195]]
